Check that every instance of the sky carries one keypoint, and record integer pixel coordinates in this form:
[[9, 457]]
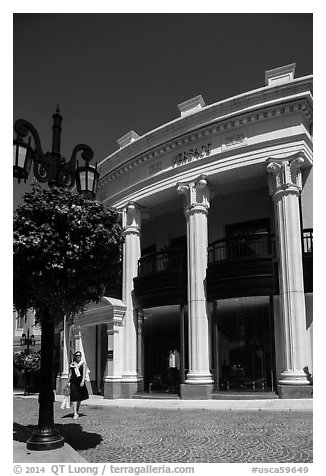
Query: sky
[[111, 73]]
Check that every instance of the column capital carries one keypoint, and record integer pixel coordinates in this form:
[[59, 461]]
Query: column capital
[[116, 321], [76, 329], [196, 194], [131, 218], [285, 176]]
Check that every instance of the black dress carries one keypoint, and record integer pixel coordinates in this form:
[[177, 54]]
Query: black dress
[[77, 393]]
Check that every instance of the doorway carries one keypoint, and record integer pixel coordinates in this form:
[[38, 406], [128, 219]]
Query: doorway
[[161, 332], [244, 344]]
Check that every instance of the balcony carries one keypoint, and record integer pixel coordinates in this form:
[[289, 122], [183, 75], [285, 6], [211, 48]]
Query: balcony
[[162, 278], [240, 247], [161, 261], [244, 265]]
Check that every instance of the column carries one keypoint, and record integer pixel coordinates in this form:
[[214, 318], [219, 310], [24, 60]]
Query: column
[[199, 382], [62, 379], [113, 372], [78, 343], [182, 344], [131, 255], [285, 188], [140, 356]]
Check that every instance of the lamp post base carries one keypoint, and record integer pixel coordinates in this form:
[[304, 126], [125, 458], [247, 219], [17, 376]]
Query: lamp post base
[[44, 441]]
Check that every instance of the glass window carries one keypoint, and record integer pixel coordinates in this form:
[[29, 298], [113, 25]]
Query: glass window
[[20, 322]]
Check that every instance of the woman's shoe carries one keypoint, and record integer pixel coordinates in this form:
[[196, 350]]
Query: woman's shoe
[[75, 416]]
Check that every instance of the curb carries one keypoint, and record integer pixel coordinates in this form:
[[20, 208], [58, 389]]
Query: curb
[[300, 404], [66, 454]]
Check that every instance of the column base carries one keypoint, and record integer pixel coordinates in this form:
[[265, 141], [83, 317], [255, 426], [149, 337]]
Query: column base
[[112, 390], [61, 383], [196, 391], [293, 377], [295, 391], [128, 389]]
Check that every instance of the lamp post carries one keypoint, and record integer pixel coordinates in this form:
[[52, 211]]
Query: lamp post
[[27, 341], [51, 168]]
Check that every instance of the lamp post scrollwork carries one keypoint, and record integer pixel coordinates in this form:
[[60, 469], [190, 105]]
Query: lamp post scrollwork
[[51, 167]]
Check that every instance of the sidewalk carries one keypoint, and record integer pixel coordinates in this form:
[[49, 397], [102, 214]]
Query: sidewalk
[[21, 454], [67, 454], [273, 404]]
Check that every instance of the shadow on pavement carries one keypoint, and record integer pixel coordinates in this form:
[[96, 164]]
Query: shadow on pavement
[[72, 433], [23, 432], [70, 415]]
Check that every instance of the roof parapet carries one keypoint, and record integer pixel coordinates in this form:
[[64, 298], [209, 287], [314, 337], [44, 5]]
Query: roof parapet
[[191, 105], [281, 75], [127, 139]]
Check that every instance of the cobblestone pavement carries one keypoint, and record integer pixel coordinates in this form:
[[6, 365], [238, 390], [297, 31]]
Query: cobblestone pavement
[[125, 435]]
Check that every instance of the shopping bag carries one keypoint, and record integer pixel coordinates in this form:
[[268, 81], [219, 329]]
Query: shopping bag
[[65, 402], [84, 393]]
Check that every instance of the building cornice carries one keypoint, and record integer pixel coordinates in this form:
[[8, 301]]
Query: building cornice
[[258, 153], [299, 102]]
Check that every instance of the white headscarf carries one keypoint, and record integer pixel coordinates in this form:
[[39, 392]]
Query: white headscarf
[[75, 365]]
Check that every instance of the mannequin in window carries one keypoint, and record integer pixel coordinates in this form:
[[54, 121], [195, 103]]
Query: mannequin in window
[[173, 369]]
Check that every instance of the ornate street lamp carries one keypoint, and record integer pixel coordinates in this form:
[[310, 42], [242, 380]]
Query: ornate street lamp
[[52, 168], [28, 341]]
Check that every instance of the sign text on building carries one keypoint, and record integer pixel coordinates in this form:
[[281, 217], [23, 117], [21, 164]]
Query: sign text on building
[[191, 154], [234, 139]]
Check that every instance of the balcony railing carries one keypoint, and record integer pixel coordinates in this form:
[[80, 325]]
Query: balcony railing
[[244, 246], [307, 241], [256, 245], [173, 259]]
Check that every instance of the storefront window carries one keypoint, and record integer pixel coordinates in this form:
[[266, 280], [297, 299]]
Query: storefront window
[[243, 344]]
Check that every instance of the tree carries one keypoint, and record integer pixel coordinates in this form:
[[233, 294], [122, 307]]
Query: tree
[[66, 248]]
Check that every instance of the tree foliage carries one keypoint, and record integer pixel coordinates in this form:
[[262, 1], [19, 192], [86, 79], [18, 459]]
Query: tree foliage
[[29, 362], [66, 248]]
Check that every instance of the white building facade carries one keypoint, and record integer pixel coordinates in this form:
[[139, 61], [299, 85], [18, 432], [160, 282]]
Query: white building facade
[[216, 208]]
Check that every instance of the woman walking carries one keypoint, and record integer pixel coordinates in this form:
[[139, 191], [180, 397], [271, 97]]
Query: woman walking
[[77, 382]]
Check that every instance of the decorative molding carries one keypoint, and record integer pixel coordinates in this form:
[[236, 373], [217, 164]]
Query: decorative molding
[[155, 168], [191, 106], [76, 332], [131, 218], [109, 310], [285, 176], [281, 75], [236, 139], [300, 105], [127, 139], [116, 322], [196, 195]]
